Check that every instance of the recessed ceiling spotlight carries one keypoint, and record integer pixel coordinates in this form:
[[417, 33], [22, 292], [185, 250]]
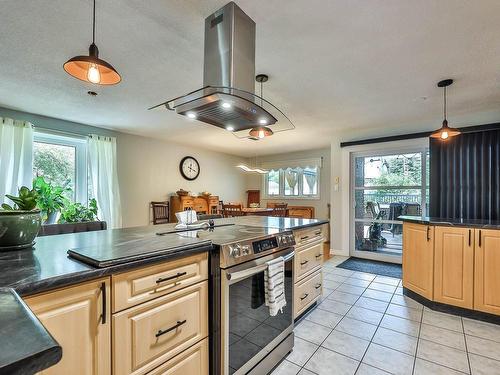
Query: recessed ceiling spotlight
[[229, 128], [191, 115], [263, 121], [92, 93], [226, 105]]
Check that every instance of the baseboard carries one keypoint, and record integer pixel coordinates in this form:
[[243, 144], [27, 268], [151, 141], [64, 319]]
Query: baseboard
[[454, 310]]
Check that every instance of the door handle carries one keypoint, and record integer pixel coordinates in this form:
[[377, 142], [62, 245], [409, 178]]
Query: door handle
[[104, 307], [480, 237], [428, 233], [319, 256], [162, 279], [470, 237], [304, 297], [317, 286], [162, 332], [304, 238], [304, 262]]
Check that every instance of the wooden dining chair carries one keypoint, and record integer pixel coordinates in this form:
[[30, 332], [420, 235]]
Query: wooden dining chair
[[280, 209], [232, 210], [160, 212]]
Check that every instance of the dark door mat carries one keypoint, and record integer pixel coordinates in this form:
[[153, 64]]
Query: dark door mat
[[372, 266]]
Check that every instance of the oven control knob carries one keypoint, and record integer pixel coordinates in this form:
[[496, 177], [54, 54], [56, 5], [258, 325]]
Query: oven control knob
[[235, 251], [245, 250]]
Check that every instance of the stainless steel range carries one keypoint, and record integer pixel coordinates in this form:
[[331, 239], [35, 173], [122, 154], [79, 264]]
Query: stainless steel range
[[247, 340]]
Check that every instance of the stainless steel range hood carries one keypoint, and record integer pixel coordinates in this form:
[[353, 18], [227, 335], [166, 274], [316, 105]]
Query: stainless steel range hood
[[227, 99]]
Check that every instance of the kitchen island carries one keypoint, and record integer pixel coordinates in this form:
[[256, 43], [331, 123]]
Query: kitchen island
[[452, 265], [63, 292]]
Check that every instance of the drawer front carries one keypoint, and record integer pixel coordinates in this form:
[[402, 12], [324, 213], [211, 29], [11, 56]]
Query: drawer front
[[307, 259], [148, 335], [308, 235], [307, 291], [138, 286], [193, 361]]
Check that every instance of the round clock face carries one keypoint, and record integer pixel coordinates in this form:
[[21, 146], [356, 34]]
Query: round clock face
[[189, 168]]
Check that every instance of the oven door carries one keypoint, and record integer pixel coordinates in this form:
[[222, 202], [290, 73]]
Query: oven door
[[249, 333]]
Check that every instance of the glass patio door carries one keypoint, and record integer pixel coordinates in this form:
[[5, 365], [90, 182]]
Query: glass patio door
[[385, 186]]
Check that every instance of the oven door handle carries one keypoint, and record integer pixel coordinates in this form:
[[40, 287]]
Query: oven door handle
[[239, 275]]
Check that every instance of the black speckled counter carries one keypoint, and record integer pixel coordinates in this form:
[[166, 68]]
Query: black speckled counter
[[281, 223], [26, 345], [476, 223]]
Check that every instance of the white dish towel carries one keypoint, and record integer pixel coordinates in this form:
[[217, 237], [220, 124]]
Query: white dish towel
[[274, 278]]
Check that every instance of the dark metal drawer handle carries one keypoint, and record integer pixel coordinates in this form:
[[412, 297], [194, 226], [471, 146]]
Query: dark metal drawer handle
[[304, 262], [304, 238], [305, 296], [179, 323], [319, 256], [428, 233], [104, 308], [162, 279], [318, 286], [317, 233]]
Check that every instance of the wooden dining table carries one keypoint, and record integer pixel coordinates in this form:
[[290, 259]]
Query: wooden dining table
[[259, 211]]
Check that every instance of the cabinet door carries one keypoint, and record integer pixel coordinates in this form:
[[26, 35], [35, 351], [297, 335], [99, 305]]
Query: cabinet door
[[454, 266], [74, 317], [487, 271], [418, 258]]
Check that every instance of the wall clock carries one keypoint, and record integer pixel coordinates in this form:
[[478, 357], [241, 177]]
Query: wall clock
[[189, 168]]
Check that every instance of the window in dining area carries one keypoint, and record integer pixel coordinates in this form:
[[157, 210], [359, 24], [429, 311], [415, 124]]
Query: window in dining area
[[293, 182]]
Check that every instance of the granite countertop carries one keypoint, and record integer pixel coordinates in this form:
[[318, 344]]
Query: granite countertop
[[475, 223], [26, 345], [282, 223]]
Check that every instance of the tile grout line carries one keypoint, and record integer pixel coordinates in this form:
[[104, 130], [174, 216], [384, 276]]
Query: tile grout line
[[418, 340], [466, 348]]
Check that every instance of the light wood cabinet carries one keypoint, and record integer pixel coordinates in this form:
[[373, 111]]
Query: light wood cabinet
[[454, 266], [201, 204], [418, 258], [307, 292], [193, 361], [487, 271], [147, 335], [78, 318], [134, 287], [308, 284]]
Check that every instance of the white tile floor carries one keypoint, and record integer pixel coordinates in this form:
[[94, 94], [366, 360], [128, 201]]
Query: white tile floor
[[365, 326]]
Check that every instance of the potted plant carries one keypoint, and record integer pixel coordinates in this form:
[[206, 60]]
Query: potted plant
[[19, 223], [75, 217], [50, 199]]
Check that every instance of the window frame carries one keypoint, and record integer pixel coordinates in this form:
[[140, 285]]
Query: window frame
[[81, 166], [300, 183]]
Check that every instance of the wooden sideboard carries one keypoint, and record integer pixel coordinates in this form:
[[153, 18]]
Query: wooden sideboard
[[201, 204], [303, 212]]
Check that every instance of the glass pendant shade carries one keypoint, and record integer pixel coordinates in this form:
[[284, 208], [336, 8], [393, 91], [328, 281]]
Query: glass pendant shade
[[92, 69], [261, 132]]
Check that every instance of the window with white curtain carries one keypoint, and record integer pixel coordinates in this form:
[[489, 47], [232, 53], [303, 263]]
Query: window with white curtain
[[300, 182], [62, 160]]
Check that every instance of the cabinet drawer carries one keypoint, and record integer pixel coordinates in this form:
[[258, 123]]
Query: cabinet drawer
[[307, 291], [138, 286], [148, 335], [193, 361], [308, 235], [306, 259]]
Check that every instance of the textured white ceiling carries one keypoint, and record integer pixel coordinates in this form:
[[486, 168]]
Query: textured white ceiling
[[335, 66]]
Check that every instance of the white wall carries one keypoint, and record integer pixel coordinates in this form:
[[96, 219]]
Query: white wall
[[340, 194], [148, 170], [254, 181]]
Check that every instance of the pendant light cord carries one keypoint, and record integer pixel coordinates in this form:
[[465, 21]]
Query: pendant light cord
[[261, 93], [93, 26], [444, 93]]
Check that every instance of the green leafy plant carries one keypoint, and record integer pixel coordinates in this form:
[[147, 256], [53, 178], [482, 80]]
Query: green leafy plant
[[26, 201], [77, 212], [50, 199]]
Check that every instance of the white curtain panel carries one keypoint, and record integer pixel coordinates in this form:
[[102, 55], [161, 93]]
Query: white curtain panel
[[16, 156], [291, 178], [104, 177]]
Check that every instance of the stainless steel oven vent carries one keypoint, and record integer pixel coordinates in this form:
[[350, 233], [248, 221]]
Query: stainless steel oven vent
[[227, 99]]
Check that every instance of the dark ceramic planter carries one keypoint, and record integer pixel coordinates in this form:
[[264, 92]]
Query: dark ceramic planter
[[18, 229]]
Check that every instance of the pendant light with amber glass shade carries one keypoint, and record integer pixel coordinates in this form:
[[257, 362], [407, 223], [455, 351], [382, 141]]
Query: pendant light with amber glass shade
[[91, 68], [445, 131]]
